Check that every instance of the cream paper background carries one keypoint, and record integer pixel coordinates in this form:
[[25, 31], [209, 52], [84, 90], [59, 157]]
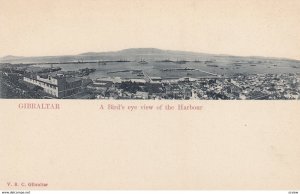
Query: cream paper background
[[226, 145]]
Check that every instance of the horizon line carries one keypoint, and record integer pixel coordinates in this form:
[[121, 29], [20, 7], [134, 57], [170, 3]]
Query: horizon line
[[196, 52]]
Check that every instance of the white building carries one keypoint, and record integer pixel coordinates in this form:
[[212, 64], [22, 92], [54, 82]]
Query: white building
[[58, 85]]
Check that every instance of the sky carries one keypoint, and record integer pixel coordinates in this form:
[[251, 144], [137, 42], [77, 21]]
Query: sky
[[236, 27]]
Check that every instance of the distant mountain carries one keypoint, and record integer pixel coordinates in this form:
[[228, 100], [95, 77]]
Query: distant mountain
[[140, 51], [11, 57], [131, 51], [132, 54]]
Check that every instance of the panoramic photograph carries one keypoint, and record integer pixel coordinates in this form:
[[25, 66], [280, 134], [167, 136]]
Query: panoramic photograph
[[150, 73]]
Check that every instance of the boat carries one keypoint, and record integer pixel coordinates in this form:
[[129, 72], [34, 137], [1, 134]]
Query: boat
[[142, 61], [165, 61], [212, 65], [122, 61], [80, 61], [101, 63], [52, 69], [181, 61], [208, 61]]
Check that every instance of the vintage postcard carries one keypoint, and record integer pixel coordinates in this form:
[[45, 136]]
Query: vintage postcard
[[160, 94]]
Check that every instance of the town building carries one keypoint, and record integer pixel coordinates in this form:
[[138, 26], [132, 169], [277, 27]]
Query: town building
[[56, 85]]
